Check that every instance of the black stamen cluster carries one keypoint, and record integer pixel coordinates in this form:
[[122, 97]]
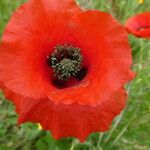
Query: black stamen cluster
[[66, 61]]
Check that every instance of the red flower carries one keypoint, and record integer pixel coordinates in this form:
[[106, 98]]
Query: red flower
[[139, 25], [65, 68]]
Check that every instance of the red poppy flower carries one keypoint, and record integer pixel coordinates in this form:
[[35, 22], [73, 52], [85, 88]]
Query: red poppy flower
[[64, 67], [139, 25]]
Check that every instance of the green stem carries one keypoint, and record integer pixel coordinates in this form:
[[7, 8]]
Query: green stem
[[100, 140], [114, 8], [128, 90]]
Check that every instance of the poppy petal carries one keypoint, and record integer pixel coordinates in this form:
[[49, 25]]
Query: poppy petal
[[105, 47], [69, 120], [139, 25], [27, 38], [107, 55]]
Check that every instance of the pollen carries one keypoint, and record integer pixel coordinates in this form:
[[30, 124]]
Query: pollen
[[66, 61]]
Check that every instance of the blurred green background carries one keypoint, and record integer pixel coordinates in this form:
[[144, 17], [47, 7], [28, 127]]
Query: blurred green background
[[130, 130]]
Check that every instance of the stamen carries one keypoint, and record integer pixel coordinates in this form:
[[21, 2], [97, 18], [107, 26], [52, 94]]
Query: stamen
[[66, 61]]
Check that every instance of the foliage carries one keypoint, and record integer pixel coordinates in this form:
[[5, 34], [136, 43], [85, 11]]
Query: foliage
[[130, 130]]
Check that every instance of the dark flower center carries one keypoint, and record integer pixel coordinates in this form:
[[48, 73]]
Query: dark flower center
[[66, 61]]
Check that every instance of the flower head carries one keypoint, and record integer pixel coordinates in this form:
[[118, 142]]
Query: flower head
[[139, 25], [141, 1], [65, 68]]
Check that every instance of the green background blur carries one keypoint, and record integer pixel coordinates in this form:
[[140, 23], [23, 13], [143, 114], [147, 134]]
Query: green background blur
[[130, 130]]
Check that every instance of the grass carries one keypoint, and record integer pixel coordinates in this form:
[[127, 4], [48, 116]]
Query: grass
[[130, 130]]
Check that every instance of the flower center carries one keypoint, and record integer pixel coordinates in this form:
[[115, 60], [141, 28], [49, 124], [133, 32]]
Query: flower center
[[66, 62]]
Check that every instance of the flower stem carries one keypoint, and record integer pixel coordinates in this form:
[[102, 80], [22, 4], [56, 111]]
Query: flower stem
[[114, 8], [100, 140]]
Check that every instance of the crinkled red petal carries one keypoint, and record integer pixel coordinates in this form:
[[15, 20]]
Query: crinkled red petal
[[139, 25], [25, 45], [69, 120], [34, 29], [107, 56]]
